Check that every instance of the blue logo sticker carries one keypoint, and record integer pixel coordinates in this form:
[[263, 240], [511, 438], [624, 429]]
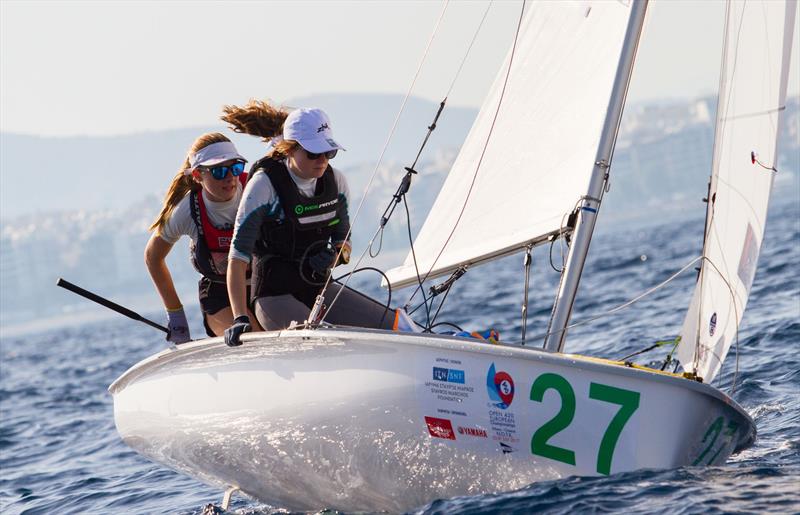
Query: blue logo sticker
[[448, 375]]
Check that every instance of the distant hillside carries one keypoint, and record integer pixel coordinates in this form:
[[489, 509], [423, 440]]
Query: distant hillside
[[106, 172]]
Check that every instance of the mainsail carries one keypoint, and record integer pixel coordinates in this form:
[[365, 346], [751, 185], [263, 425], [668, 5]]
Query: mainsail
[[758, 40], [529, 156]]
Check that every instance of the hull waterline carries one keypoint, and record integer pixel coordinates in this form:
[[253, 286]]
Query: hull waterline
[[370, 420]]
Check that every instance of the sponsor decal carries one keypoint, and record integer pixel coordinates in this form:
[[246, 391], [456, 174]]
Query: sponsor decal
[[712, 324], [440, 428], [507, 449], [500, 387], [444, 411], [299, 209], [473, 431], [504, 426], [448, 375]]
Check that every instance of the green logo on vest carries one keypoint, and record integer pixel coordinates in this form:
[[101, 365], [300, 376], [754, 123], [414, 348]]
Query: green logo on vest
[[298, 209]]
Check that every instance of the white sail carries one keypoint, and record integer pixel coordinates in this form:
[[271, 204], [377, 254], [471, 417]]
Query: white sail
[[758, 37], [543, 143]]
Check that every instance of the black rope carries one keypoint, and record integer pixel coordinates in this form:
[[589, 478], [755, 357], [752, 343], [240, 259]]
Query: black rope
[[388, 286], [446, 323], [433, 320], [416, 266]]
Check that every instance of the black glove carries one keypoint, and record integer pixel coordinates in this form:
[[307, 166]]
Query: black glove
[[241, 324], [322, 262]]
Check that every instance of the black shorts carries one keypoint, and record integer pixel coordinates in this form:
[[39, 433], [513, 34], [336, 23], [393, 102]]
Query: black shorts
[[213, 298]]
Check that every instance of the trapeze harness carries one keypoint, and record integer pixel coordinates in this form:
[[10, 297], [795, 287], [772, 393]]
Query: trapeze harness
[[210, 252], [284, 245]]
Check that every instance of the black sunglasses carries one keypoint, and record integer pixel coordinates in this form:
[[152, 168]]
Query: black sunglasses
[[330, 154]]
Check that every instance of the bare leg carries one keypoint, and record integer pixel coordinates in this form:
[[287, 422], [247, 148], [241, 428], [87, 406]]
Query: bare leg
[[223, 319]]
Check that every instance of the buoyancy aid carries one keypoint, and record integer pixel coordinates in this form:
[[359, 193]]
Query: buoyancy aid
[[285, 244], [210, 252]]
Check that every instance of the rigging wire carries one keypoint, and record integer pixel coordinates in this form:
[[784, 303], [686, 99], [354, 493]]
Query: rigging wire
[[317, 304], [405, 184], [379, 231], [480, 160], [625, 304]]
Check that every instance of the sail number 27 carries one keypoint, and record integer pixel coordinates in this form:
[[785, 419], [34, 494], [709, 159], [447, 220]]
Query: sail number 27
[[627, 400]]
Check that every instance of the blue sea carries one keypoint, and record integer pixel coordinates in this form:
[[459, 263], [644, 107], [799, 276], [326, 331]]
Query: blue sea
[[60, 453]]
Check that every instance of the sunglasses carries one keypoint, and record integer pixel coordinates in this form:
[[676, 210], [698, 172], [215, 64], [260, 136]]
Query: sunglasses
[[220, 172], [330, 154]]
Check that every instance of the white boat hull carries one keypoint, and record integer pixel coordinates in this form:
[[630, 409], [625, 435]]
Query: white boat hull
[[370, 420]]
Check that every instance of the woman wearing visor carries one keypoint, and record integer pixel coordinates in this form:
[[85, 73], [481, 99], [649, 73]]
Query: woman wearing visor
[[292, 223], [201, 203]]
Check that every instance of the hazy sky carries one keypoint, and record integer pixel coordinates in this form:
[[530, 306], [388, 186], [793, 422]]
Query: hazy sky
[[98, 68]]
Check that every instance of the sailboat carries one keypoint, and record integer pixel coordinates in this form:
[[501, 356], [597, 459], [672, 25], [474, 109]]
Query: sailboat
[[358, 419]]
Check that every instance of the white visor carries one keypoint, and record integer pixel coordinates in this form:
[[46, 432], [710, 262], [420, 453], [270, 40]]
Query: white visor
[[213, 154]]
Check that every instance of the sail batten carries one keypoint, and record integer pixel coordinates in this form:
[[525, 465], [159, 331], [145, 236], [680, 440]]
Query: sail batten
[[757, 47], [519, 176]]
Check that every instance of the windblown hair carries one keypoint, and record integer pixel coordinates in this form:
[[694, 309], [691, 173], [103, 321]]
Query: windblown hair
[[182, 184], [256, 118], [282, 148]]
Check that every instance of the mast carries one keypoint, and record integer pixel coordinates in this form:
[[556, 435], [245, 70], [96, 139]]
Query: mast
[[590, 203]]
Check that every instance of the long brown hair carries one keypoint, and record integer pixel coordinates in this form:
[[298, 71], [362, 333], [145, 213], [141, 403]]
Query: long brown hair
[[182, 184], [256, 118]]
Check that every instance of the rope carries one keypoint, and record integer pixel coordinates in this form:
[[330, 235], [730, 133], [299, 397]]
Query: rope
[[626, 304]]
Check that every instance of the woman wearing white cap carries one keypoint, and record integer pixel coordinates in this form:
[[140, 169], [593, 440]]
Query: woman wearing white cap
[[293, 222], [201, 203]]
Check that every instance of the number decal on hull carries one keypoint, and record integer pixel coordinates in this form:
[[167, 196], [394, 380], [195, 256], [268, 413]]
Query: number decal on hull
[[715, 428], [563, 418], [629, 403], [627, 400]]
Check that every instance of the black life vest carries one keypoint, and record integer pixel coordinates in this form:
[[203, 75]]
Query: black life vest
[[210, 252], [280, 265]]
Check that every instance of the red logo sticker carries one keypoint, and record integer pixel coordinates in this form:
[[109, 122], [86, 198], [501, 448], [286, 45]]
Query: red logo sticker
[[440, 428]]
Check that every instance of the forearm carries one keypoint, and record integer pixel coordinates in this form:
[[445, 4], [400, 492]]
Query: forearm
[[155, 260], [237, 286]]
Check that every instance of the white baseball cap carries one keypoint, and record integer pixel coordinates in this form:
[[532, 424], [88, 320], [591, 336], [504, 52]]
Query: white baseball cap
[[213, 154], [310, 127]]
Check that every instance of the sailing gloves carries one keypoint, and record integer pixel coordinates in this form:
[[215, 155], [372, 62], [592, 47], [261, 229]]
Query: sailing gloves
[[178, 326], [241, 324], [322, 262]]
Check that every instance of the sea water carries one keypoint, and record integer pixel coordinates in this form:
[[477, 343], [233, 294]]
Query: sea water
[[60, 453]]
